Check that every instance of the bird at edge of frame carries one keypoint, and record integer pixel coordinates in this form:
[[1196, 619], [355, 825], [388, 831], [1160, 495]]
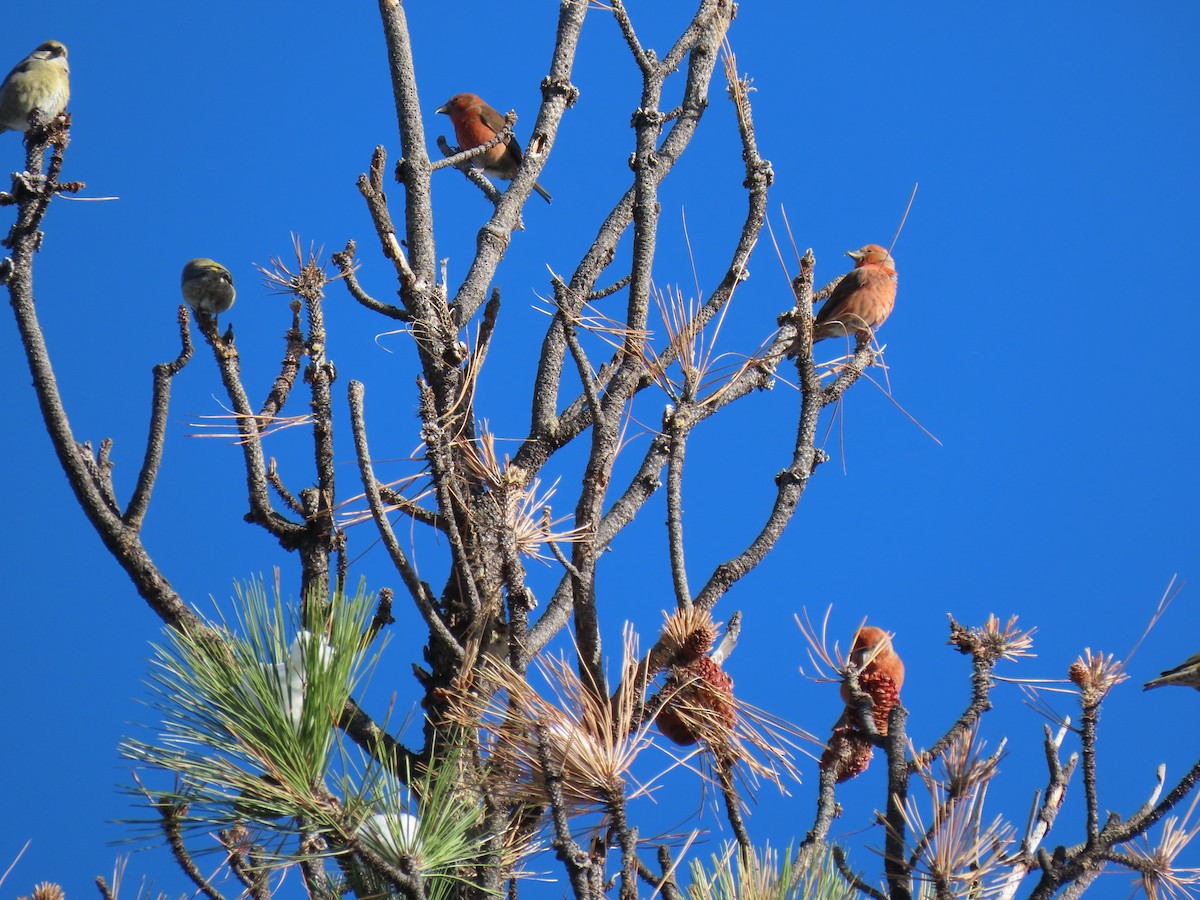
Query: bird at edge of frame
[[476, 123], [40, 81], [1186, 674], [207, 286]]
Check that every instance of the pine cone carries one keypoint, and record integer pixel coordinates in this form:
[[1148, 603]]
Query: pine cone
[[884, 695], [848, 753], [699, 704]]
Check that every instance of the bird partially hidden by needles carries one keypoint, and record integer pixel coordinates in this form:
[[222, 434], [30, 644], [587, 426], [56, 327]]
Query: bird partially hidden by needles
[[476, 123], [862, 300], [207, 286], [1186, 674], [881, 675], [873, 647], [40, 81]]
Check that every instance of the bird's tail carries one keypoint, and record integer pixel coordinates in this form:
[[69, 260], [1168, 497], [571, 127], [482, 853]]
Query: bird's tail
[[541, 190], [1170, 677]]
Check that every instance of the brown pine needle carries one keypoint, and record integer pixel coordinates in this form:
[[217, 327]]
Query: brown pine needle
[[904, 218]]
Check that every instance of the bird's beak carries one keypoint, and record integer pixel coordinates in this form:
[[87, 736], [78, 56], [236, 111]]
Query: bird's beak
[[444, 108], [855, 255]]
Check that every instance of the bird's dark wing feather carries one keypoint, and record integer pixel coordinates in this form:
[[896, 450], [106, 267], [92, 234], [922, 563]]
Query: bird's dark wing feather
[[854, 279], [21, 68], [491, 118], [1190, 661]]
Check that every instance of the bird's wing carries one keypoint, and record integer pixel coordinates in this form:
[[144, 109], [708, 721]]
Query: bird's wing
[[491, 118], [854, 279], [496, 122], [20, 68], [1190, 661]]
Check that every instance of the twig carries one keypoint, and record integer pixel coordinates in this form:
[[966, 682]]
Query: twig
[[417, 589], [172, 819], [344, 260], [160, 401]]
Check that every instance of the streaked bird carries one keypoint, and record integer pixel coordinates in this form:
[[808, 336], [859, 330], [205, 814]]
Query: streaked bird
[[207, 286], [39, 81], [476, 123], [1186, 674]]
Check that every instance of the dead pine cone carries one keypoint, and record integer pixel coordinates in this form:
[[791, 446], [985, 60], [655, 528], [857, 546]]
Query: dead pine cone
[[699, 704], [884, 694], [848, 753], [687, 635]]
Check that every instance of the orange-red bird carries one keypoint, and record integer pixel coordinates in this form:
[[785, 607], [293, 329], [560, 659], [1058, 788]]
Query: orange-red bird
[[863, 299], [476, 123], [873, 644], [881, 675]]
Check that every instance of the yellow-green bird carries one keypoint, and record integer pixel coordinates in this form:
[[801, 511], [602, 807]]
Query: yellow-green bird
[[39, 81], [1187, 674], [207, 286]]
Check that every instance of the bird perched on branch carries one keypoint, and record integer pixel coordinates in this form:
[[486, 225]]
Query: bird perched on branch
[[207, 286], [39, 81], [1187, 674], [862, 300], [881, 675], [476, 123], [873, 648]]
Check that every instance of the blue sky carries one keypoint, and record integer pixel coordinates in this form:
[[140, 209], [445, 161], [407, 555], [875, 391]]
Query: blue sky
[[1042, 332]]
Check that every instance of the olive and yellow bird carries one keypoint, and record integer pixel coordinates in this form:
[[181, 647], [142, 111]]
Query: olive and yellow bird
[[41, 81], [207, 286]]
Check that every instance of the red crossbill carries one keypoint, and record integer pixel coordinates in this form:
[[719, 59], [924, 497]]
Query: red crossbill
[[863, 300], [881, 676], [1187, 674], [873, 647], [476, 123]]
